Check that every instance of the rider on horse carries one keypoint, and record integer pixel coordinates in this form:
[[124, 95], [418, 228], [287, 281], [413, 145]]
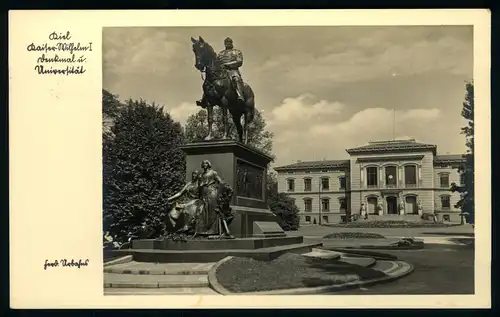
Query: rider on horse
[[231, 60]]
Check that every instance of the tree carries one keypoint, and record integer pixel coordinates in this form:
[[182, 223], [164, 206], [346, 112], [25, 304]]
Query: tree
[[282, 205], [466, 190], [110, 105], [142, 166], [258, 137]]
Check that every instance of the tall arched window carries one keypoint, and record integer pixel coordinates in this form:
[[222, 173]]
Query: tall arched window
[[372, 176], [391, 176], [410, 176]]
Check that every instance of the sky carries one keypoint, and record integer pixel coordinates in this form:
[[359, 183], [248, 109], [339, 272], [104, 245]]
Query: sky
[[321, 89]]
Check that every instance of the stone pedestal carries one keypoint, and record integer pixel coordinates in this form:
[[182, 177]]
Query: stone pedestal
[[245, 170]]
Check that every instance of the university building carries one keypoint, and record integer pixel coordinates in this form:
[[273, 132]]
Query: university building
[[393, 179]]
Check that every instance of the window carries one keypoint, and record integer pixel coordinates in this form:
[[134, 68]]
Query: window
[[391, 176], [308, 219], [325, 183], [445, 202], [446, 218], [308, 205], [308, 172], [290, 172], [291, 185], [462, 178], [343, 203], [307, 185], [444, 180], [372, 178], [325, 219], [325, 204], [342, 182], [410, 176]]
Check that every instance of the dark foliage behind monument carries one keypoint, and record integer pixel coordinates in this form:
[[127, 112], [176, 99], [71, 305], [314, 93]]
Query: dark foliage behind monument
[[142, 166]]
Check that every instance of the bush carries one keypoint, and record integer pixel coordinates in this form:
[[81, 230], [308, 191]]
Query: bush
[[282, 205], [286, 210], [142, 166]]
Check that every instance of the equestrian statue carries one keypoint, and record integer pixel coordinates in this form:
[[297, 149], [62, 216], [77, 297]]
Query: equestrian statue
[[223, 86]]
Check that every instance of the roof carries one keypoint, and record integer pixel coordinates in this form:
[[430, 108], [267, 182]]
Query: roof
[[409, 145], [449, 158], [314, 165]]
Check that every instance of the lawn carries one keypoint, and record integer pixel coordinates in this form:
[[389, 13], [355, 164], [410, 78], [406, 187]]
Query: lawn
[[288, 271]]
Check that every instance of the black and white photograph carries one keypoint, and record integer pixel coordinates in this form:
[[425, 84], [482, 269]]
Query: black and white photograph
[[175, 159], [288, 160]]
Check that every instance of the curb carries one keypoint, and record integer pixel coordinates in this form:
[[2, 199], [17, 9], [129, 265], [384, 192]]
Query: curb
[[213, 283], [216, 286], [123, 259], [366, 252], [151, 272]]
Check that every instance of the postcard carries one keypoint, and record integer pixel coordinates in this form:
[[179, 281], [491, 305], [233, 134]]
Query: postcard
[[250, 158]]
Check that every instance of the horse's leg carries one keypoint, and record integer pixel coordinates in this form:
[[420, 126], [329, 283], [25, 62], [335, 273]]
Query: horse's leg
[[237, 123], [246, 120], [210, 119]]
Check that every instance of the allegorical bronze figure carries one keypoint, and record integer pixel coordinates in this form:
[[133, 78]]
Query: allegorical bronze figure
[[188, 206], [224, 87], [202, 206]]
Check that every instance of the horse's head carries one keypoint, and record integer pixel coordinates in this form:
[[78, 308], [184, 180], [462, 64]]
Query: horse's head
[[203, 53]]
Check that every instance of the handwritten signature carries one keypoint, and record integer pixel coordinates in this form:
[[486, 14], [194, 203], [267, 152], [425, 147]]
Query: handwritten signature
[[66, 263]]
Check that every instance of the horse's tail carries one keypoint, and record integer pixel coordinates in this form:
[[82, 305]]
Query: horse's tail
[[250, 105]]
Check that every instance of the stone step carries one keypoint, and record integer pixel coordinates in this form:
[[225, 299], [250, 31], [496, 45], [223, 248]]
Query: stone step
[[361, 261], [204, 256], [393, 268], [160, 291], [323, 254], [112, 280], [144, 268]]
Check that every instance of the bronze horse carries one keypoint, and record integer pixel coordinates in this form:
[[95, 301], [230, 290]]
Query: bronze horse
[[219, 91]]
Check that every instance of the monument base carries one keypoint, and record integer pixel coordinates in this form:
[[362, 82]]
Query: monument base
[[245, 170], [203, 251]]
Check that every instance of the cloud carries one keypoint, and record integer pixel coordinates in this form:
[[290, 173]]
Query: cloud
[[128, 51], [182, 111], [311, 137], [303, 107], [375, 55]]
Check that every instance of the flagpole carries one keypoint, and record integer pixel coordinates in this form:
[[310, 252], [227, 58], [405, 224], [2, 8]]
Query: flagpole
[[394, 125]]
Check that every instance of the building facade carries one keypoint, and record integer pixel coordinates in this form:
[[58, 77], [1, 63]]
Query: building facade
[[385, 179]]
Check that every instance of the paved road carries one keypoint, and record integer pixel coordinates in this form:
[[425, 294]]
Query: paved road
[[321, 231], [439, 269]]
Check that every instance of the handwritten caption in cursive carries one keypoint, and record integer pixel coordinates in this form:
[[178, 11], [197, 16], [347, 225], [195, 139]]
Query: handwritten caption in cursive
[[60, 55], [66, 263]]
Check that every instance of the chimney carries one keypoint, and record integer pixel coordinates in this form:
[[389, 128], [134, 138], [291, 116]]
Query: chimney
[[299, 161]]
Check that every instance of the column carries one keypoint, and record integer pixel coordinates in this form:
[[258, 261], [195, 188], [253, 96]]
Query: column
[[381, 176], [362, 185], [400, 176], [419, 180]]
